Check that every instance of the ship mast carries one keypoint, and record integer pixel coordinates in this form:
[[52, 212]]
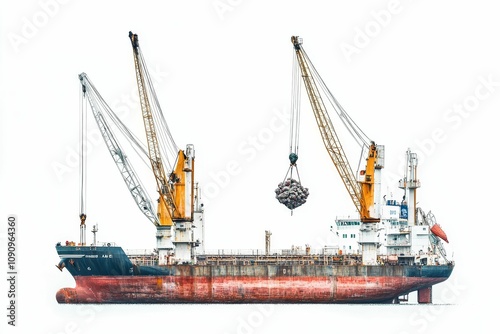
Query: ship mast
[[410, 183]]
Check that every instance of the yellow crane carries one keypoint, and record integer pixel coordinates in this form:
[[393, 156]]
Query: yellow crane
[[171, 205], [361, 192], [176, 192]]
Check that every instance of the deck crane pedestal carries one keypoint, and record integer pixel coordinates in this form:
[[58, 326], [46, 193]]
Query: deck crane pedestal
[[365, 191]]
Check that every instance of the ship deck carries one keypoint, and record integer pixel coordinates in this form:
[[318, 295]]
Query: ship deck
[[260, 257]]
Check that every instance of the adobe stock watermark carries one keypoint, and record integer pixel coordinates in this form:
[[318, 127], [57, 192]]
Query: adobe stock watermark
[[248, 150], [421, 320], [455, 116], [31, 25], [86, 314], [250, 323], [224, 7], [328, 240], [124, 106], [363, 36]]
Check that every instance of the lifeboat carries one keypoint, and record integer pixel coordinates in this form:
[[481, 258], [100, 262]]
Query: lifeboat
[[438, 231]]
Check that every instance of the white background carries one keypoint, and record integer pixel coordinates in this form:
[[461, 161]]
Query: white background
[[401, 69]]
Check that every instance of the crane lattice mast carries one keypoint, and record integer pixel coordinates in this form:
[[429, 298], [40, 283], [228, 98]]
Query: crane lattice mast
[[176, 192], [133, 183], [166, 206]]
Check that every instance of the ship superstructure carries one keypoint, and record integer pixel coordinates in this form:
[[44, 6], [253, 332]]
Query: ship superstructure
[[406, 234]]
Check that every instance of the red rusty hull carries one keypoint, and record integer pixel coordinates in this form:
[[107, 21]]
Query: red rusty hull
[[242, 289], [106, 275]]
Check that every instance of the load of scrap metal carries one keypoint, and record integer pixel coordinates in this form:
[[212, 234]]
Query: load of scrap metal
[[291, 193]]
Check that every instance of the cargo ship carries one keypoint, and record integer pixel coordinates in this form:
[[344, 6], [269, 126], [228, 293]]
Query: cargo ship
[[105, 274], [397, 250]]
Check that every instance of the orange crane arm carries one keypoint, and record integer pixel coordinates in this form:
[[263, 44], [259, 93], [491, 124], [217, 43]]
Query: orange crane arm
[[362, 194], [167, 210]]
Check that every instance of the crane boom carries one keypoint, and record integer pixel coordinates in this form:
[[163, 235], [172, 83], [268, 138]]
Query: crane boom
[[129, 176], [361, 193], [176, 200], [167, 209]]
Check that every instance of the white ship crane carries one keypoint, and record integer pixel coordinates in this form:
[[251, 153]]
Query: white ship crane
[[134, 185], [173, 169]]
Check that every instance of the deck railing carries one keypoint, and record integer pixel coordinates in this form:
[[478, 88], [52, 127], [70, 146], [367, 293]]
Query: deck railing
[[254, 256]]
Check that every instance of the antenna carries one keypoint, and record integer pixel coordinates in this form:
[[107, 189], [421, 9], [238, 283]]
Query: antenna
[[268, 242], [94, 231]]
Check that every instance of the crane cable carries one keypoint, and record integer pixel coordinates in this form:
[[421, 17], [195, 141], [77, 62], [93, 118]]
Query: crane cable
[[165, 138], [294, 119], [290, 192], [83, 154], [359, 136], [295, 108], [133, 140], [83, 166], [100, 110]]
